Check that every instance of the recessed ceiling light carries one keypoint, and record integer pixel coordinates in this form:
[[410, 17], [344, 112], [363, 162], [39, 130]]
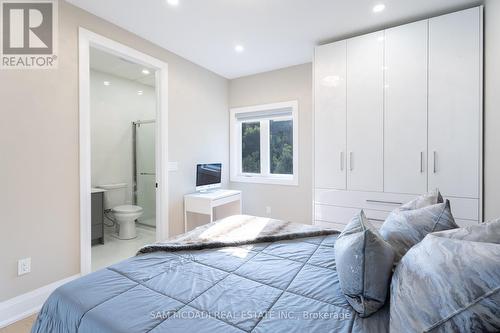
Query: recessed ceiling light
[[378, 8], [106, 83], [239, 48], [140, 92], [173, 2], [145, 71]]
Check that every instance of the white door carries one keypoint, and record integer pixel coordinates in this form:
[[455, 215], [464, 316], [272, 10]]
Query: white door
[[455, 103], [405, 116], [365, 107], [330, 116]]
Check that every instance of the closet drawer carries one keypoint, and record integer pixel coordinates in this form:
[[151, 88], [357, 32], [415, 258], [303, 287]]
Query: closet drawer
[[376, 217], [357, 199], [334, 214], [464, 208], [465, 223], [330, 225], [344, 214], [379, 204]]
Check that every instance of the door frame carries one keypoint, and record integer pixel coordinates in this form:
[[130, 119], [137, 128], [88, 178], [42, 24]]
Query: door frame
[[89, 39]]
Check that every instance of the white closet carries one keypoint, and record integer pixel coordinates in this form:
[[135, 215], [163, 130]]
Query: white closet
[[365, 121], [330, 92], [405, 119], [455, 103], [397, 113]]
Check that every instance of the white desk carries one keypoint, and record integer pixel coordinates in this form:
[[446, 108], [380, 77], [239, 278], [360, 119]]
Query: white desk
[[214, 204]]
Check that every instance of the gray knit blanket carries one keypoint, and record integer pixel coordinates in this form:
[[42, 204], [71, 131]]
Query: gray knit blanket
[[235, 231]]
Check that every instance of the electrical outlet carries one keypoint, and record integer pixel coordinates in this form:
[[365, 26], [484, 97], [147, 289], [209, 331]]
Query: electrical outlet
[[268, 210], [23, 266]]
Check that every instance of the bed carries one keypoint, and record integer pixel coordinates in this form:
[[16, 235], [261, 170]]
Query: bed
[[285, 285], [251, 274]]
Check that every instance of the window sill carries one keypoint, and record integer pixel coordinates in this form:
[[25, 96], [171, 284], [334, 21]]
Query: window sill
[[287, 181]]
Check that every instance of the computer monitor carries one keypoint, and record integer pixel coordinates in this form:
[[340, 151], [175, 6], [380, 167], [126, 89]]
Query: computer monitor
[[208, 176]]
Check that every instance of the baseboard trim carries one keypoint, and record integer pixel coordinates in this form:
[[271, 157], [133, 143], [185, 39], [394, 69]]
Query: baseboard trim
[[25, 305]]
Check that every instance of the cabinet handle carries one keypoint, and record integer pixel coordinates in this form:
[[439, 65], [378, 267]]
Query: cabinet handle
[[384, 202], [421, 162], [376, 220], [434, 162], [350, 161], [341, 161]]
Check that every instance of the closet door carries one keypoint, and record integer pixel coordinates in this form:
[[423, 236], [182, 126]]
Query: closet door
[[405, 116], [365, 81], [330, 116], [455, 103]]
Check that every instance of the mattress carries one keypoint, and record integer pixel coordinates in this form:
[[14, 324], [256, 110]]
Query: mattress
[[283, 286]]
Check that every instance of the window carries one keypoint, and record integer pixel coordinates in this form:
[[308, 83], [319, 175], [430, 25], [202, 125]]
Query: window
[[264, 144], [250, 147]]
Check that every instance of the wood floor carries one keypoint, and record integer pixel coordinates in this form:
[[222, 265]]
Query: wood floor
[[22, 326]]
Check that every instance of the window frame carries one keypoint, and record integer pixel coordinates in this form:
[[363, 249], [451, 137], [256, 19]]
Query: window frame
[[265, 176]]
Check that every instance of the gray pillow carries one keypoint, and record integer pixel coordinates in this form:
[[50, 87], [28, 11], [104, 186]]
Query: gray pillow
[[364, 264], [428, 199], [405, 228], [488, 232], [448, 285]]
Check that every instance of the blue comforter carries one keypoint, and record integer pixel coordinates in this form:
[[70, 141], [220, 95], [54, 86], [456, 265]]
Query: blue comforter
[[284, 286]]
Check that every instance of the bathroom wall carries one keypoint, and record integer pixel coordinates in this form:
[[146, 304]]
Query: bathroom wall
[[113, 108]]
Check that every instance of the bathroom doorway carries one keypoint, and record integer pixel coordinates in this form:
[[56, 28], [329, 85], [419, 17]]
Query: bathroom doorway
[[123, 151]]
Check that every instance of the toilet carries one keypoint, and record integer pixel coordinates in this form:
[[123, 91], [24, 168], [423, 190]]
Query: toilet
[[115, 199]]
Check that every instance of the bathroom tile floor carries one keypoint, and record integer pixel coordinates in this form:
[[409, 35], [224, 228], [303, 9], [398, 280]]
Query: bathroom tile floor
[[115, 250]]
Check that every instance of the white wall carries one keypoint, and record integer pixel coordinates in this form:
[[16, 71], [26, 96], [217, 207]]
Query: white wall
[[113, 108], [291, 203]]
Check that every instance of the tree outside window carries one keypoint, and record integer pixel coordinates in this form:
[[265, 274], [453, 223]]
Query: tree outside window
[[264, 144], [281, 132], [250, 147]]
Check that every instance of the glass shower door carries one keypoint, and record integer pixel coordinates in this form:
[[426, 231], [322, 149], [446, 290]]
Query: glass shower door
[[145, 194]]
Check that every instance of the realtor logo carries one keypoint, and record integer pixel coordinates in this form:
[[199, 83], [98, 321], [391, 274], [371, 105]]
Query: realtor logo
[[29, 34]]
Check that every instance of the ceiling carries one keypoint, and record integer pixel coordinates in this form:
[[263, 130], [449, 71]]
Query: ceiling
[[274, 33], [114, 65]]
